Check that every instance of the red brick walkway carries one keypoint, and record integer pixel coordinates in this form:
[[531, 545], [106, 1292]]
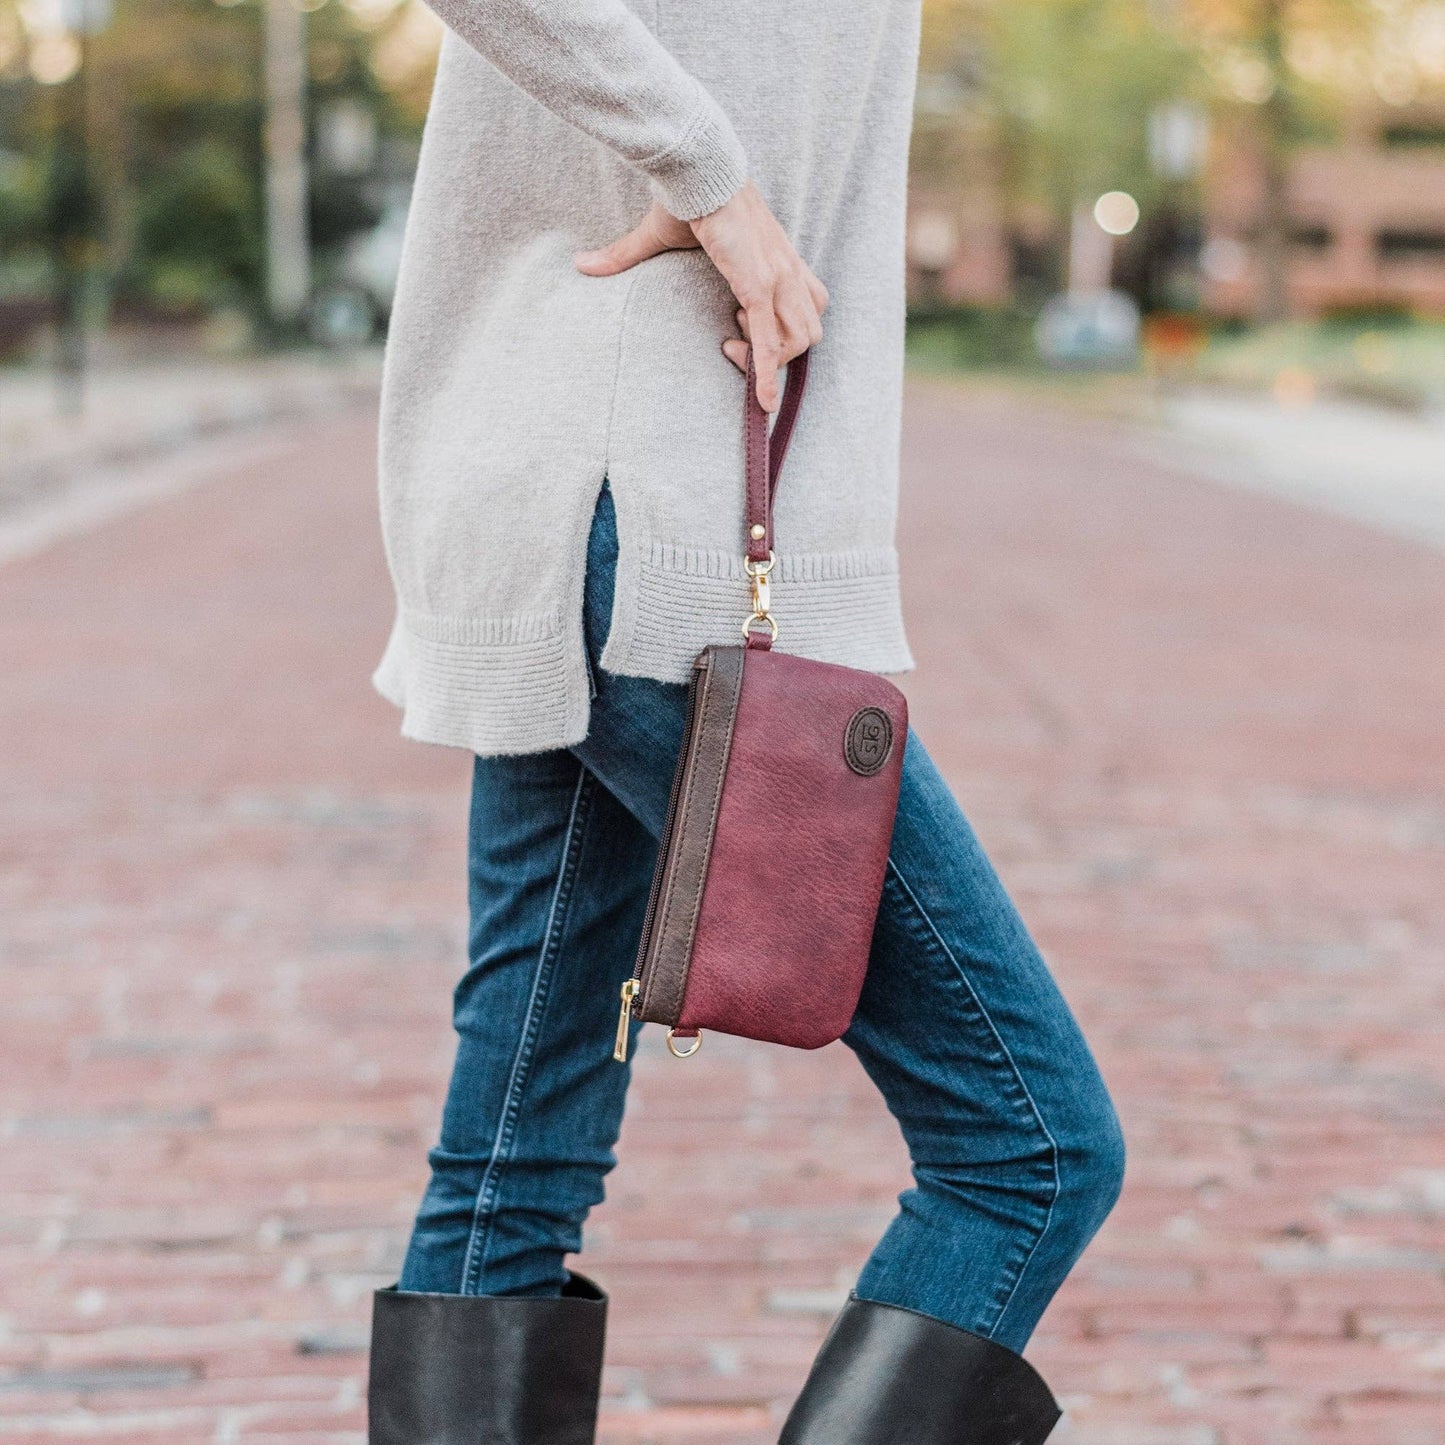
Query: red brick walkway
[[1201, 731]]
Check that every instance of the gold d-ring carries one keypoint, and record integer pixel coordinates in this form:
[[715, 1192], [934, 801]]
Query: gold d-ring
[[678, 1053]]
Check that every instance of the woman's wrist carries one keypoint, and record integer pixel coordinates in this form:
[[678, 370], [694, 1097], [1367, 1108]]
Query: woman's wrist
[[704, 170]]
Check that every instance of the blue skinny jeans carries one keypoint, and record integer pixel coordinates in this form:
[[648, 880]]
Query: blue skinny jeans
[[1016, 1151]]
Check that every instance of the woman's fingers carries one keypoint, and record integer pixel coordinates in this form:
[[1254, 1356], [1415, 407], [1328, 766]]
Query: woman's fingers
[[638, 245], [798, 324], [781, 300], [798, 319], [767, 353], [789, 325], [736, 352], [650, 237]]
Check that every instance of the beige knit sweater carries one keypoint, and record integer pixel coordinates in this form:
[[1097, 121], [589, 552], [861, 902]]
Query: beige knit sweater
[[514, 384]]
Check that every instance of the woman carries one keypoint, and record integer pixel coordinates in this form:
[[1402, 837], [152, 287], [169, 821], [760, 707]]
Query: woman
[[562, 498]]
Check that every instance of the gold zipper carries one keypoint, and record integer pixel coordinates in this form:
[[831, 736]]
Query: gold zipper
[[619, 1051], [633, 986]]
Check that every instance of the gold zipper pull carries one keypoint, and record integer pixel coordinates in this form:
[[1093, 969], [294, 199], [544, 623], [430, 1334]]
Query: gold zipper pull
[[629, 990]]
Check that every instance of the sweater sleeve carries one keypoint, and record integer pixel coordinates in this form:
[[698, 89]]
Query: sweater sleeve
[[597, 66]]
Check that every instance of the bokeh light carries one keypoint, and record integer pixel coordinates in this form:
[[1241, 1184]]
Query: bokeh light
[[1117, 212], [54, 58]]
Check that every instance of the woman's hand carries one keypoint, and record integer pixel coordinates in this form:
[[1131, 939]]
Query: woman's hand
[[780, 301]]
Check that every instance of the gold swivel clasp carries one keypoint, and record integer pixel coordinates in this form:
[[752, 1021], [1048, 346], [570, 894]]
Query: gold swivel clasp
[[760, 574]]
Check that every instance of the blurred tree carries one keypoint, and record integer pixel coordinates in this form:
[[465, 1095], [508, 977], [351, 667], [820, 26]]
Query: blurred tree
[[1064, 89], [24, 173], [1276, 134], [1073, 83], [1248, 47], [184, 150], [197, 229], [174, 119]]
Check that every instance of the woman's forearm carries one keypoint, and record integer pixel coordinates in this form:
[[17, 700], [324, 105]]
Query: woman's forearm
[[597, 66]]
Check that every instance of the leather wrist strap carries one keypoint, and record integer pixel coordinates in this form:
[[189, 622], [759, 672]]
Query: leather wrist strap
[[765, 453]]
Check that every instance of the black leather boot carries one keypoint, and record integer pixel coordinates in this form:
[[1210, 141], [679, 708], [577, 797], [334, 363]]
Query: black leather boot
[[890, 1376], [485, 1369]]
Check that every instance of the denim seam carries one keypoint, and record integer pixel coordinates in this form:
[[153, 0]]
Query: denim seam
[[490, 1186], [1022, 1268]]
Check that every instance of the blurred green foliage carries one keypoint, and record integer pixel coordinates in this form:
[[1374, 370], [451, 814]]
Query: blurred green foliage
[[198, 236], [1042, 104], [1053, 102], [972, 338], [23, 194], [1072, 84], [1384, 357], [173, 116]]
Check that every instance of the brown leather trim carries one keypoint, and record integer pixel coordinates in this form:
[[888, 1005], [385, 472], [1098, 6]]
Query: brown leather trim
[[684, 869]]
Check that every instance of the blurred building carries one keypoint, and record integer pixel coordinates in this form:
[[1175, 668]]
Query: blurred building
[[1368, 226], [958, 248], [1368, 219]]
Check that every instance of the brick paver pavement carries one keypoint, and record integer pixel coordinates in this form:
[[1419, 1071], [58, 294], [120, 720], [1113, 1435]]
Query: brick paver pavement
[[1200, 730]]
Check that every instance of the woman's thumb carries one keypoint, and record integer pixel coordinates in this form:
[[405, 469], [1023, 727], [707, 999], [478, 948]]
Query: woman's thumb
[[639, 244]]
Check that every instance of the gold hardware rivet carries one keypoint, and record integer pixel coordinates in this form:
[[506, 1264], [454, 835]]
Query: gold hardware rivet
[[758, 531]]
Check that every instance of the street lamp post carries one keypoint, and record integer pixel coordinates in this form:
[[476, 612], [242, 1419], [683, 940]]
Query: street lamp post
[[72, 206], [288, 257]]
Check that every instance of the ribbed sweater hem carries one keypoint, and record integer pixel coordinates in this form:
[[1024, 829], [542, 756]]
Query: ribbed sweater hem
[[490, 685], [834, 606], [520, 685]]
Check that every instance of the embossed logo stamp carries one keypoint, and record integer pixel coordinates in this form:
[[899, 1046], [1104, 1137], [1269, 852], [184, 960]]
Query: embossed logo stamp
[[868, 741]]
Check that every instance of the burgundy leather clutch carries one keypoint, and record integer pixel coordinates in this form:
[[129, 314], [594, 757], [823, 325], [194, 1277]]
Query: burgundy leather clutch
[[776, 840]]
